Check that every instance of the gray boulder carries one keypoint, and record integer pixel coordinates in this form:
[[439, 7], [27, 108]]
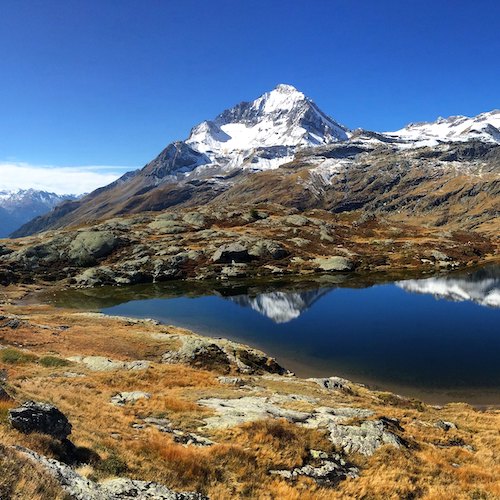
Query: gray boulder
[[123, 398], [365, 438], [89, 246], [336, 263], [267, 248], [40, 417], [232, 252]]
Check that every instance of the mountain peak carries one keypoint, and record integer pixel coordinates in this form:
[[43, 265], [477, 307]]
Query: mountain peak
[[283, 117], [285, 88]]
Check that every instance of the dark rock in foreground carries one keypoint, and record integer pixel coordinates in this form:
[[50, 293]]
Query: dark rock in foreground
[[40, 417]]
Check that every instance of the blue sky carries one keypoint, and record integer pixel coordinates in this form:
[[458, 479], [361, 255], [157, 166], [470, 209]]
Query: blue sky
[[111, 82]]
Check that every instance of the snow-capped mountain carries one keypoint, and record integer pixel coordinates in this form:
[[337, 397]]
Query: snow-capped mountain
[[266, 132], [482, 288], [281, 307], [240, 157], [484, 127], [18, 207]]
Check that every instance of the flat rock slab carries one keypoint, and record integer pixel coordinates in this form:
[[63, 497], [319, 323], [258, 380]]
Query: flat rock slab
[[365, 438], [103, 364]]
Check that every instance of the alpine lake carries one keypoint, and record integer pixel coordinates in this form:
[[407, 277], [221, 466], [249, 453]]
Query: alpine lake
[[431, 337]]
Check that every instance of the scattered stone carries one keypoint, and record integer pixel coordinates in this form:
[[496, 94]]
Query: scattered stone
[[195, 219], [446, 426], [123, 398], [237, 381], [40, 417], [220, 355], [232, 412], [234, 271], [13, 323], [329, 472], [296, 220]]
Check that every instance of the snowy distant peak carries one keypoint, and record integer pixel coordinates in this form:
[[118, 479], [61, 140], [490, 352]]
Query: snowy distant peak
[[484, 127], [14, 200], [282, 117]]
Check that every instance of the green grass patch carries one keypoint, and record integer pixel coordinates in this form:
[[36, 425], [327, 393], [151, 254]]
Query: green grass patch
[[13, 356], [53, 361]]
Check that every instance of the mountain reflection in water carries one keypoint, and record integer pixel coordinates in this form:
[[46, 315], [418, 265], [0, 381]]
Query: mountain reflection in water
[[435, 338]]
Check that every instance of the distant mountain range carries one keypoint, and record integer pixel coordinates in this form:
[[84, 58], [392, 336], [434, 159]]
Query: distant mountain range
[[20, 206], [281, 148]]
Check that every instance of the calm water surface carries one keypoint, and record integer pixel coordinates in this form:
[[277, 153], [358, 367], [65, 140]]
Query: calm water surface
[[437, 338]]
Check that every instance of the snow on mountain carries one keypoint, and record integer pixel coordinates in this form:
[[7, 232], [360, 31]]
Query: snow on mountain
[[266, 132], [484, 127], [485, 290]]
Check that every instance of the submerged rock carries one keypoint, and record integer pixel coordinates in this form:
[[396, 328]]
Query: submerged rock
[[40, 417]]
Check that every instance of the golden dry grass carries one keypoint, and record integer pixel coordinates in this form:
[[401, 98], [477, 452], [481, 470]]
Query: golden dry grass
[[436, 464]]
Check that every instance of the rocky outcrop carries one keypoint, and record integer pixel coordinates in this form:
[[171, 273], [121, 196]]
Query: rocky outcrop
[[81, 488], [220, 355], [364, 438], [40, 417]]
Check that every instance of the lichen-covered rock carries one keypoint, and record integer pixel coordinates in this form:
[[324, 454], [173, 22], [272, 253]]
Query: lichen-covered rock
[[40, 417], [365, 438], [89, 246]]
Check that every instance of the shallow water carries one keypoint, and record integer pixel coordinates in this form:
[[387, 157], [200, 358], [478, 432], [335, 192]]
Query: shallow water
[[437, 338]]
